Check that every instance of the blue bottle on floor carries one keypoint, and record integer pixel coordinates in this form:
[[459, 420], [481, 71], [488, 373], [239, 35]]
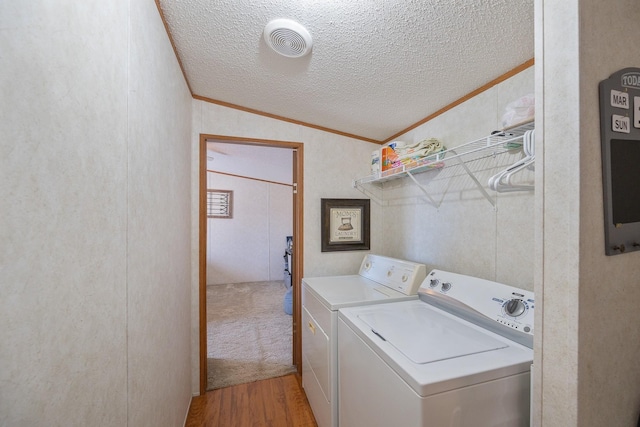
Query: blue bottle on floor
[[288, 301]]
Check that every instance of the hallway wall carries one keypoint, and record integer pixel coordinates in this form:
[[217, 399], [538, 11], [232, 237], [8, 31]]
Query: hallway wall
[[94, 183], [587, 351], [158, 224]]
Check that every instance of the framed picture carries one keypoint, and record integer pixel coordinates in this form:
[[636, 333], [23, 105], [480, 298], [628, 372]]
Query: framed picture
[[345, 224]]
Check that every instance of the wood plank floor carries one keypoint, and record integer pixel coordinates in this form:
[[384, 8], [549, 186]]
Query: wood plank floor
[[276, 402]]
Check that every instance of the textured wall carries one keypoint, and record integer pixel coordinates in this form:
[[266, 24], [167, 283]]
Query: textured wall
[[557, 355], [158, 243], [63, 259], [94, 227], [612, 321], [466, 234], [589, 348]]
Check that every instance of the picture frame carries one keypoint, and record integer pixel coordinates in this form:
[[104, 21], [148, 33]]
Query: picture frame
[[345, 224]]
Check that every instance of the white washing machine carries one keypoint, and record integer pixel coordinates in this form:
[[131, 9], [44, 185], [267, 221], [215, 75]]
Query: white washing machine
[[458, 356], [379, 280]]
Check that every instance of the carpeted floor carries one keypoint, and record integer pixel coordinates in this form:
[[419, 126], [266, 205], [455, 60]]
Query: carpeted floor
[[248, 333]]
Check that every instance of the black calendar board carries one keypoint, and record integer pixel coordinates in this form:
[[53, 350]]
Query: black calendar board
[[620, 139]]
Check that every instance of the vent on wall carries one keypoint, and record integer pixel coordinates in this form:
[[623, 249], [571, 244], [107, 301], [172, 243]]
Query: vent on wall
[[288, 38]]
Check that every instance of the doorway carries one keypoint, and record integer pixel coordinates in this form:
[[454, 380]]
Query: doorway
[[297, 205]]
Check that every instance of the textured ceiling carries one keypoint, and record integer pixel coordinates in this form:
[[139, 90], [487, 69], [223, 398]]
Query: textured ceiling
[[377, 66]]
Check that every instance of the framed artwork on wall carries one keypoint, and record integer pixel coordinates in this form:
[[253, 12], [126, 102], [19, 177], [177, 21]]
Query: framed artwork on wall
[[345, 224]]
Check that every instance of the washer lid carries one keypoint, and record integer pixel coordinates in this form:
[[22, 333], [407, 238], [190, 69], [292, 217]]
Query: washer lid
[[426, 336]]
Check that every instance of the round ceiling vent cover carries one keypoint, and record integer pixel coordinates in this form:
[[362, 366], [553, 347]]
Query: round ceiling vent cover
[[288, 38]]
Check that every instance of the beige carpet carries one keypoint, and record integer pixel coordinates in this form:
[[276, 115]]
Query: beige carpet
[[248, 333]]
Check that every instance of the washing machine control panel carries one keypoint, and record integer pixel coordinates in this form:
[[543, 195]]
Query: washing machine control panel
[[509, 307], [516, 312], [403, 276], [514, 307]]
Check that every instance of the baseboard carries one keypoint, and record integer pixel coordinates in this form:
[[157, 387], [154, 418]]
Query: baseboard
[[186, 416]]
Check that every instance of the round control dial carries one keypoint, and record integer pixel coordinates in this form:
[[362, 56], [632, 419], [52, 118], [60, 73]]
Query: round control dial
[[433, 283], [514, 307]]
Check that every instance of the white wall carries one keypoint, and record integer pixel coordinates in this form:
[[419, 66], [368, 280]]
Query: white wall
[[329, 168], [249, 247], [158, 241], [95, 217], [466, 234], [588, 349]]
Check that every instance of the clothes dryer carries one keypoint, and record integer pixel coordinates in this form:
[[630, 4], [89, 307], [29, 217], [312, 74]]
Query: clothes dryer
[[379, 280]]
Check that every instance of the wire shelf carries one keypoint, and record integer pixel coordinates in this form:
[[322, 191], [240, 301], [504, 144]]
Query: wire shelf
[[465, 156]]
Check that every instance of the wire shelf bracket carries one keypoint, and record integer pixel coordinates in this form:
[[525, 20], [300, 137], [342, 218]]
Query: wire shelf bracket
[[461, 156]]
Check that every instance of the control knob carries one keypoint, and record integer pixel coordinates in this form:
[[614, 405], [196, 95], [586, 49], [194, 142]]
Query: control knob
[[433, 283], [514, 307]]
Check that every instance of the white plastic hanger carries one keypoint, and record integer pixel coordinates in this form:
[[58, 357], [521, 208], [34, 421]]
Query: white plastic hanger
[[501, 182]]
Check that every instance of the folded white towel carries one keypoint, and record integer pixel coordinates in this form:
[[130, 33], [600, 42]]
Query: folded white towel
[[519, 111], [421, 149]]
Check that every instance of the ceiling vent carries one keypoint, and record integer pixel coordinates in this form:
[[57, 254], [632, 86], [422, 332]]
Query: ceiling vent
[[288, 38]]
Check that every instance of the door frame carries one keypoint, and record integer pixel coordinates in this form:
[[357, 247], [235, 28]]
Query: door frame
[[296, 278]]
